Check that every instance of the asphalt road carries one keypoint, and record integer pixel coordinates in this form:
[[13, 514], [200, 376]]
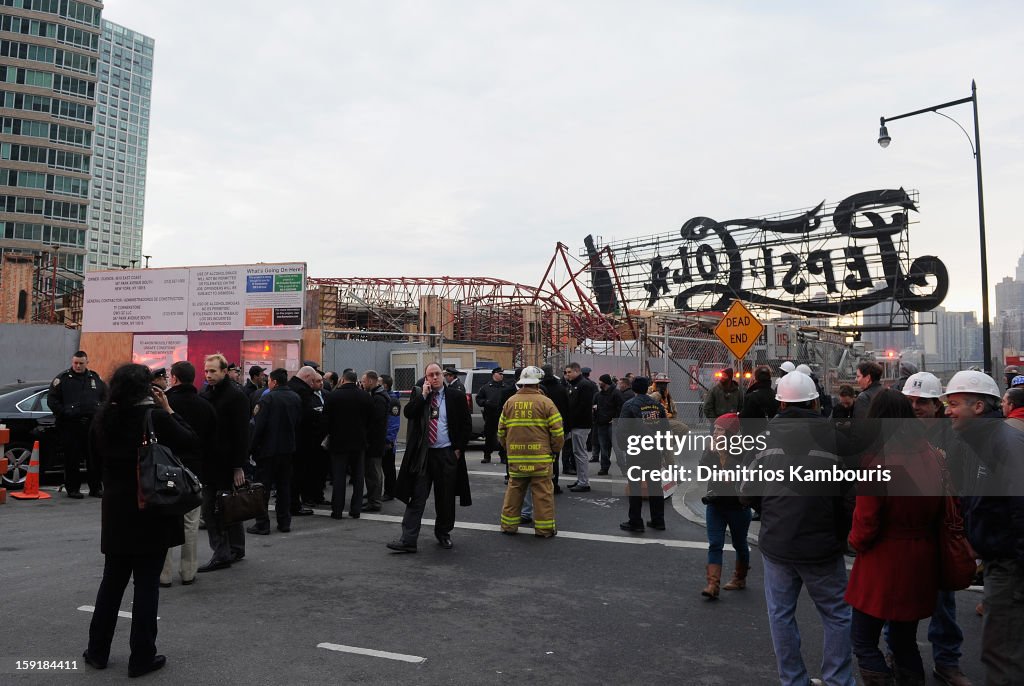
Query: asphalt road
[[591, 606]]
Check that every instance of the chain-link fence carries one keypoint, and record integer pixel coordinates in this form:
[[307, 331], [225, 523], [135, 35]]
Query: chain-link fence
[[693, 358]]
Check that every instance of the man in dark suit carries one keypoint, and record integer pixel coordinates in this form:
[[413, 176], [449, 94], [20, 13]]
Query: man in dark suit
[[275, 423], [439, 428], [199, 413], [307, 443], [224, 465], [349, 411]]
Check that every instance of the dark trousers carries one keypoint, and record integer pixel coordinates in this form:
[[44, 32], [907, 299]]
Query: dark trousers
[[275, 470], [342, 465], [491, 443], [656, 503], [227, 541], [373, 477], [309, 475], [301, 469], [117, 569], [864, 633], [74, 441], [603, 437], [440, 473], [319, 468], [388, 465]]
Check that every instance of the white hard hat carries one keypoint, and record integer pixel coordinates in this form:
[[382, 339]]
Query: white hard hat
[[923, 385], [787, 366], [530, 376], [803, 369], [971, 381], [795, 388]]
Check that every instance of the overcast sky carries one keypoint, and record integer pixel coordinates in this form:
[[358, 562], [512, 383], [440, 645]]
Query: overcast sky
[[466, 138]]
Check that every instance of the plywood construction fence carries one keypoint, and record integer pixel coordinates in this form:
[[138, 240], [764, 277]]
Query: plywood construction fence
[[107, 351]]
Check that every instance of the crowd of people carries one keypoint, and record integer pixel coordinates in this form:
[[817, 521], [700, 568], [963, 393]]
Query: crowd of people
[[966, 440], [294, 434]]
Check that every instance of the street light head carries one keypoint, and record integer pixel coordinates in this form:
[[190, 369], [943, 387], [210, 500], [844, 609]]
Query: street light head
[[883, 137]]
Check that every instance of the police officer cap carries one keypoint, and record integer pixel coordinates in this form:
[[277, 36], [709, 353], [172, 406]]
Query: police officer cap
[[450, 372], [162, 371], [497, 370], [585, 371]]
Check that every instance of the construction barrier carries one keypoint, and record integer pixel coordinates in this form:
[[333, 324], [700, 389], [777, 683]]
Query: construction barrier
[[5, 436], [31, 490]]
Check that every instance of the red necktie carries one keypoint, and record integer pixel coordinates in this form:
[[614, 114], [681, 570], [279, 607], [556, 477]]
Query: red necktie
[[435, 405]]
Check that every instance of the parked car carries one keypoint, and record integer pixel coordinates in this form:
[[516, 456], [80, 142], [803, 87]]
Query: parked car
[[24, 410]]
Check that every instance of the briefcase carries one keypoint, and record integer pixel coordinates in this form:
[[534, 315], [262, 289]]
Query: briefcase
[[241, 503]]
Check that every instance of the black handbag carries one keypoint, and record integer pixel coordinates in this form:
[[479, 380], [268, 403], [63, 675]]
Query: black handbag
[[241, 503], [166, 486]]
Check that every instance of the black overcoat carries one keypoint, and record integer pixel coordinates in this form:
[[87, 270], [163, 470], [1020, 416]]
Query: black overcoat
[[115, 440], [460, 425]]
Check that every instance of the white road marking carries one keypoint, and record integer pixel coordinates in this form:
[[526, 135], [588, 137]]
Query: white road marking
[[415, 659], [476, 526], [120, 613]]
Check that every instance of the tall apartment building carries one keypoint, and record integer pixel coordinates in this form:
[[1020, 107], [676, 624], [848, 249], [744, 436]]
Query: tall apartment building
[[49, 54], [1009, 295], [120, 148], [955, 338], [889, 313]]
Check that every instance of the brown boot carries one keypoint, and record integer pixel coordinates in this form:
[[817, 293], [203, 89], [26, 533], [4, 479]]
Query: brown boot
[[876, 678], [739, 577], [714, 578]]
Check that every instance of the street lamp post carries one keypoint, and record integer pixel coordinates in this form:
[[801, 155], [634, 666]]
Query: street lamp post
[[884, 139]]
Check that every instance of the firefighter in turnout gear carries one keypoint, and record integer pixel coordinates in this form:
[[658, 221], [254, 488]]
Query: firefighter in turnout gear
[[659, 385], [530, 430]]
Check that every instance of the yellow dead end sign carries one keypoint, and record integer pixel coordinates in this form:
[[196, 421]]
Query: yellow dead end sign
[[739, 329]]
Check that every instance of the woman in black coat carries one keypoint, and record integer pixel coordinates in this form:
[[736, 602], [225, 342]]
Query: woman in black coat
[[133, 541]]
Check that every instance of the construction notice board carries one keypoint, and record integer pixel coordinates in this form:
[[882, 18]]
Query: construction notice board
[[216, 298]]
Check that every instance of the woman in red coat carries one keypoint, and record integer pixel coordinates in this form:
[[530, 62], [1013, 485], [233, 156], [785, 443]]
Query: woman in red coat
[[895, 577]]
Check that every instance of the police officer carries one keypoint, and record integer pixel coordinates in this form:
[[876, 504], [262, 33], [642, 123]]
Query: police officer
[[491, 399], [451, 378], [74, 396]]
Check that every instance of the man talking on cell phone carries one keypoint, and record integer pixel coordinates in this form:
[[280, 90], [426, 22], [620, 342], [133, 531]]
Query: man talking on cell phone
[[439, 428]]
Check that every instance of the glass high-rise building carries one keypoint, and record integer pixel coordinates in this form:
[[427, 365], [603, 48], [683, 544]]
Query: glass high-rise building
[[120, 146], [49, 56]]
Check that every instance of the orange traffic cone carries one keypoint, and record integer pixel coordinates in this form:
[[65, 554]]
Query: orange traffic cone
[[31, 490]]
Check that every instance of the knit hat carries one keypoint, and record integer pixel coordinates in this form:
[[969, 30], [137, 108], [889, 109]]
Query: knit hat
[[606, 379], [729, 421]]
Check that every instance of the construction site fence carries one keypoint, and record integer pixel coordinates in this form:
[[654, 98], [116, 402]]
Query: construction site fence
[[694, 363]]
